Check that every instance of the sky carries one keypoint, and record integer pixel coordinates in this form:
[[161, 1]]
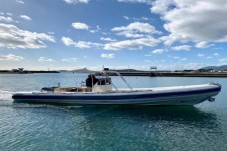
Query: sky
[[119, 34]]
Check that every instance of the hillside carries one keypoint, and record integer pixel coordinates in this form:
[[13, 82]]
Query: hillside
[[83, 70], [220, 68]]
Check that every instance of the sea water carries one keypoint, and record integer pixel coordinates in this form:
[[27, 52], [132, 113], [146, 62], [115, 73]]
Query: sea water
[[202, 127]]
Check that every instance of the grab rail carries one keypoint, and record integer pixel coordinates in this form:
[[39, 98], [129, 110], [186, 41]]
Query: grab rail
[[219, 85]]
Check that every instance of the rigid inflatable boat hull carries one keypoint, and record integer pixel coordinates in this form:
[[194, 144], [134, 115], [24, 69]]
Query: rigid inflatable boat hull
[[181, 95]]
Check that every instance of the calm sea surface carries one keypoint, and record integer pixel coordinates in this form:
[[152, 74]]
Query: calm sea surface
[[44, 127]]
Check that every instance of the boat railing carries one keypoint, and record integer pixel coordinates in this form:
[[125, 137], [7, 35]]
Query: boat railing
[[83, 84], [107, 72]]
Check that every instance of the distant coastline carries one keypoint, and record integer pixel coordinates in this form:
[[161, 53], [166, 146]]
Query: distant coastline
[[25, 72], [203, 72], [176, 74], [211, 71]]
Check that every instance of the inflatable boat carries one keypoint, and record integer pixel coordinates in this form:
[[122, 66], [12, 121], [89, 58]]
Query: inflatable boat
[[104, 92]]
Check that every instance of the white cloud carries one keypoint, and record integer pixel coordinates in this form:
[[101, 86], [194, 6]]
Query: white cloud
[[200, 55], [137, 18], [216, 54], [10, 57], [20, 1], [69, 59], [144, 18], [136, 30], [95, 30], [98, 27], [6, 19], [126, 17], [134, 44], [108, 56], [86, 44], [196, 21], [137, 1], [107, 39], [10, 14], [183, 47], [104, 33], [148, 61], [67, 41], [78, 25], [218, 48], [158, 51], [161, 6], [178, 58], [147, 55], [80, 44], [209, 57], [13, 37], [25, 17], [51, 33], [223, 61], [128, 34], [76, 1], [44, 59], [203, 44]]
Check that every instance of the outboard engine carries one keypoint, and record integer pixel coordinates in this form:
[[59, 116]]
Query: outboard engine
[[210, 99]]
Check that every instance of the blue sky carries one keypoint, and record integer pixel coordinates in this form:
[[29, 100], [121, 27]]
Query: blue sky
[[72, 34]]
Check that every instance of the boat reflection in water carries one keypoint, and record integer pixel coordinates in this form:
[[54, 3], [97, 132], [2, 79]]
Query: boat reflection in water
[[182, 114], [148, 128]]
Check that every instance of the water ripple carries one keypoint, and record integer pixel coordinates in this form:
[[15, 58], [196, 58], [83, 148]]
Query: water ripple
[[47, 127], [5, 95]]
